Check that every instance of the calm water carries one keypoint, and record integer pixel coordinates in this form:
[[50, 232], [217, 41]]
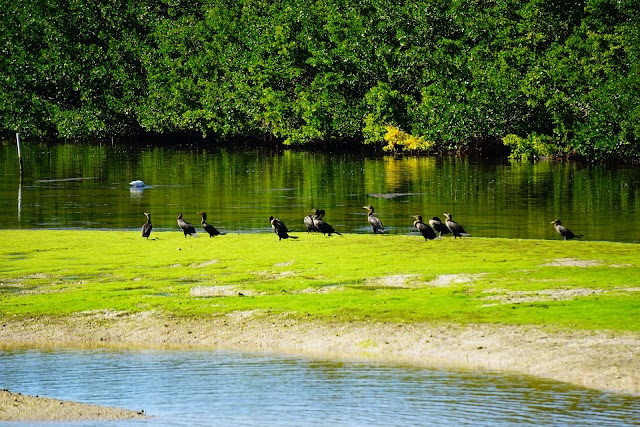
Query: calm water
[[199, 388], [67, 186]]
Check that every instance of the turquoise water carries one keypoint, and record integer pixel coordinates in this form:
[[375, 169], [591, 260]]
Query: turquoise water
[[214, 388]]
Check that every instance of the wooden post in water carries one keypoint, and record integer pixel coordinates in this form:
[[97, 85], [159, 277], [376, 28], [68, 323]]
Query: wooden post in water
[[20, 182], [19, 153], [20, 198]]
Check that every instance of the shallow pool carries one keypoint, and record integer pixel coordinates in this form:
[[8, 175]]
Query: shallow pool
[[216, 388]]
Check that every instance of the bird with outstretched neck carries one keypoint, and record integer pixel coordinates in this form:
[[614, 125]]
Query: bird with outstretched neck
[[454, 227], [427, 232], [146, 227], [208, 227], [186, 227], [374, 221], [321, 225], [280, 229], [564, 231]]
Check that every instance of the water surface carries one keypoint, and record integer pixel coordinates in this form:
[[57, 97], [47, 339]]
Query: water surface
[[204, 388], [87, 186]]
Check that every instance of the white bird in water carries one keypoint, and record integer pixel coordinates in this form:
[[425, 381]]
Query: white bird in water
[[137, 183]]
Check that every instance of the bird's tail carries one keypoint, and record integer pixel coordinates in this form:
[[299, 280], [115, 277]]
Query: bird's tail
[[465, 235], [579, 236], [293, 237], [194, 235]]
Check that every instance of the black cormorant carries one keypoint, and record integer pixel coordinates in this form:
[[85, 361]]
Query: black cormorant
[[454, 227], [280, 229], [564, 231], [186, 227], [208, 227], [437, 225], [146, 228], [375, 222], [426, 231], [321, 225]]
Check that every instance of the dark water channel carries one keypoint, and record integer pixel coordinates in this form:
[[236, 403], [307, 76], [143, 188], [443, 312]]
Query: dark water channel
[[87, 186], [203, 388]]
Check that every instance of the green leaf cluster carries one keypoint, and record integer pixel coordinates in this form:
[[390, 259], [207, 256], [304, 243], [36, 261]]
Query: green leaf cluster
[[458, 72], [531, 147]]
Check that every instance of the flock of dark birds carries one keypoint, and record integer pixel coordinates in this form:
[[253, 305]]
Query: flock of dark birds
[[315, 223]]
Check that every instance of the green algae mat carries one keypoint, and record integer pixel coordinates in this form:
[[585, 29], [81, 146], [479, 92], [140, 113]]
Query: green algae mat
[[387, 278]]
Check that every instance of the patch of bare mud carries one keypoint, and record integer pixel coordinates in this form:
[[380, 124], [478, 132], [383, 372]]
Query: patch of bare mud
[[394, 281], [204, 264], [270, 275], [573, 262], [517, 297], [283, 264], [38, 276], [413, 280], [220, 291], [454, 279], [113, 314], [320, 290], [546, 295], [21, 287]]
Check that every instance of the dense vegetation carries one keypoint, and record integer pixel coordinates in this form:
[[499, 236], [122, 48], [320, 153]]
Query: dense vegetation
[[543, 77]]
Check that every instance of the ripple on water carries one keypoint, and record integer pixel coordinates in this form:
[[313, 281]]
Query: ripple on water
[[191, 388]]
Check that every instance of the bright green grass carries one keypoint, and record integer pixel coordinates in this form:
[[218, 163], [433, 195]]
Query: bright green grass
[[354, 277]]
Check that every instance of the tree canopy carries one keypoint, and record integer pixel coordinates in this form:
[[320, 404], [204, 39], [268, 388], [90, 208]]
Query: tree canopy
[[542, 77]]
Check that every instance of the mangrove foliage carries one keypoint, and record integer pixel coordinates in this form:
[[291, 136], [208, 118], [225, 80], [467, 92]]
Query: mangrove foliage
[[540, 77]]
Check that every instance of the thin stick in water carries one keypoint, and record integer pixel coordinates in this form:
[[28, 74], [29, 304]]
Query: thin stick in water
[[19, 153]]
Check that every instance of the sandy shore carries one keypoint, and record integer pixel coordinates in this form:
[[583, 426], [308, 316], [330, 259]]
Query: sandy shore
[[597, 360], [19, 407]]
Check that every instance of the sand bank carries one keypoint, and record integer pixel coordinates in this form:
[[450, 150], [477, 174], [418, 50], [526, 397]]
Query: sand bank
[[19, 407]]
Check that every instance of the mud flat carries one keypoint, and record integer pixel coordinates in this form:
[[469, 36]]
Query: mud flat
[[20, 407]]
